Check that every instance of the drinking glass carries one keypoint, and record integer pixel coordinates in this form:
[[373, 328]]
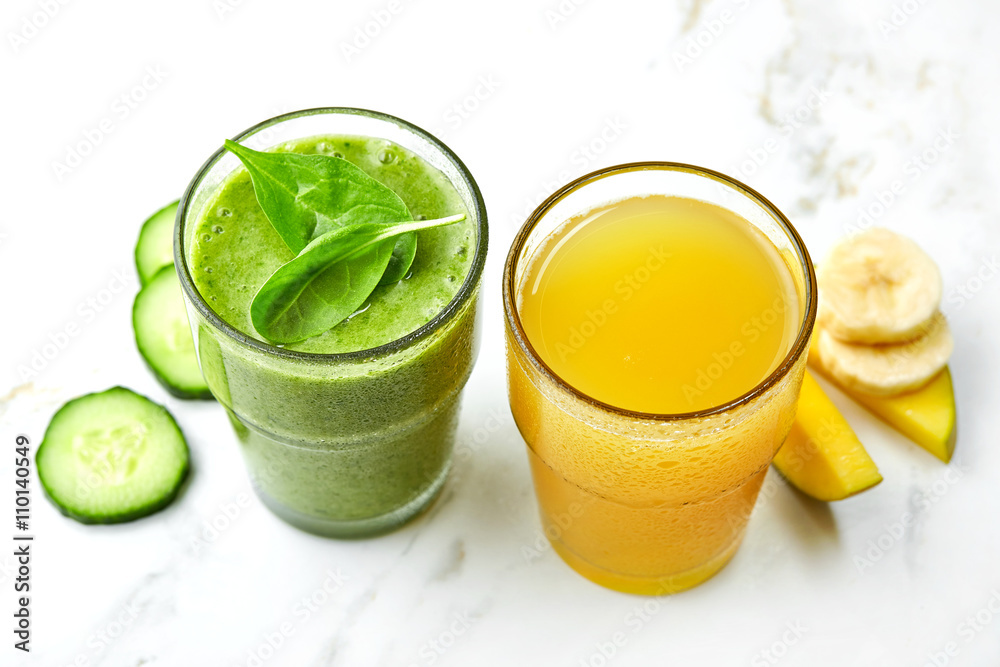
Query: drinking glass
[[352, 444], [708, 466]]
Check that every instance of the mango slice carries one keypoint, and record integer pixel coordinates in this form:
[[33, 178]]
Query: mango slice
[[926, 416], [822, 457]]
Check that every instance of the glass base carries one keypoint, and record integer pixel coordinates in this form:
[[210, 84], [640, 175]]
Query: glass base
[[640, 585], [357, 528]]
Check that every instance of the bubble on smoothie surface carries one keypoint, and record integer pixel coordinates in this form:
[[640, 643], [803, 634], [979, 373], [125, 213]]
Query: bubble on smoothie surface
[[223, 212], [436, 306], [386, 156]]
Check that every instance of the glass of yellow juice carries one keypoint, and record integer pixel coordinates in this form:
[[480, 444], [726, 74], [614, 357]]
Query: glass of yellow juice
[[657, 321]]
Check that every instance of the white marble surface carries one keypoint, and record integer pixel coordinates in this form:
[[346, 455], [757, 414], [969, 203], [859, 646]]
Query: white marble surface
[[461, 586]]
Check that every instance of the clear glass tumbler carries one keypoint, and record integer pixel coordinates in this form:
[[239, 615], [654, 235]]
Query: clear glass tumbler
[[344, 445], [701, 471]]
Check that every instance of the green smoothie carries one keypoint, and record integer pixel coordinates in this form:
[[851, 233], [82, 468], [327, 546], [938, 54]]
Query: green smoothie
[[236, 249], [338, 443]]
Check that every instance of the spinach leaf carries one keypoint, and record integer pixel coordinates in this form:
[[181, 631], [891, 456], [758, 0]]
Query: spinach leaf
[[329, 279], [307, 196]]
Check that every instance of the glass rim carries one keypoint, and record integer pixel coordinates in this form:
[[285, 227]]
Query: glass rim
[[469, 285], [798, 347]]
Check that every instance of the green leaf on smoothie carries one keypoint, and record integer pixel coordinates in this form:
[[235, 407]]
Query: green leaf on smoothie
[[329, 279], [307, 196]]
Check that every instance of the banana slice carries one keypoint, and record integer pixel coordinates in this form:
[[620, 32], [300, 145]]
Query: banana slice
[[888, 370], [878, 287]]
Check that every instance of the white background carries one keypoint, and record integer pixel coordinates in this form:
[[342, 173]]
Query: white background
[[873, 84]]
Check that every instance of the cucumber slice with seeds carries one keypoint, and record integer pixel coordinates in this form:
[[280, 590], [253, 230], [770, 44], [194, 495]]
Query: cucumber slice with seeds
[[155, 248], [164, 338], [112, 456]]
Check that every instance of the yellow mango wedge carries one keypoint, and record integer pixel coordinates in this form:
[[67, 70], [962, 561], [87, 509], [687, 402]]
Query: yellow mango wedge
[[822, 456], [926, 416]]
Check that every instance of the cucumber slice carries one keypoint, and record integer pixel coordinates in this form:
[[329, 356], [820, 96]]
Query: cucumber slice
[[155, 248], [112, 456], [164, 338]]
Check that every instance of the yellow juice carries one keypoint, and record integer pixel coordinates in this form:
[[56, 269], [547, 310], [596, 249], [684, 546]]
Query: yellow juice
[[661, 305]]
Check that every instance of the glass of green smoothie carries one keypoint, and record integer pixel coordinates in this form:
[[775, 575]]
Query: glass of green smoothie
[[348, 433]]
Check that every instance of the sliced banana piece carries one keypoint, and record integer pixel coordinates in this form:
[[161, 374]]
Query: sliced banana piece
[[878, 287], [888, 370]]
